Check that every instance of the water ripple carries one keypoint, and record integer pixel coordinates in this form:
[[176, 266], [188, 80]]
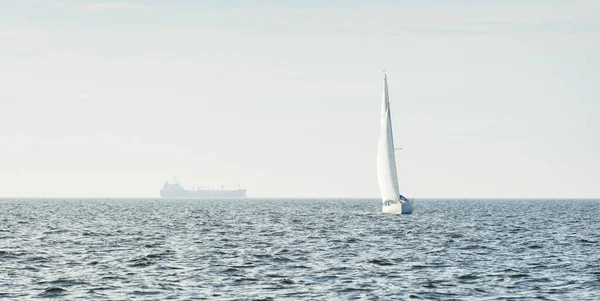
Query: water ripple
[[299, 249]]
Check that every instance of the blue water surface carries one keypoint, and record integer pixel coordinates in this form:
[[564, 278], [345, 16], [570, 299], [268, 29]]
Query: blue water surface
[[275, 249]]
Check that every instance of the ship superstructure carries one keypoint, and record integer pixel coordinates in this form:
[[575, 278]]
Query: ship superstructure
[[175, 190]]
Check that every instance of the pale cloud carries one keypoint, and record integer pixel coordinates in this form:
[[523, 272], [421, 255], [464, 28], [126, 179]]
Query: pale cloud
[[437, 19], [95, 7]]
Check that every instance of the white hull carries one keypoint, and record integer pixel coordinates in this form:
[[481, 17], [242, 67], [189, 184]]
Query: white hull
[[402, 208]]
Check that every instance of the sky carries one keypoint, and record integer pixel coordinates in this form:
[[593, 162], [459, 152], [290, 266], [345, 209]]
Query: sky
[[489, 98]]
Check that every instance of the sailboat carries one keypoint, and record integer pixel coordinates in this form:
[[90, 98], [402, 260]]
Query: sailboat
[[392, 201]]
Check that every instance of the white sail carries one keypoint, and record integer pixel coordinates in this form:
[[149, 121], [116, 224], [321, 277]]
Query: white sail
[[392, 201], [386, 159]]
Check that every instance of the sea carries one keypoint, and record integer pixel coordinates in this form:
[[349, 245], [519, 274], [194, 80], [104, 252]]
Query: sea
[[299, 249]]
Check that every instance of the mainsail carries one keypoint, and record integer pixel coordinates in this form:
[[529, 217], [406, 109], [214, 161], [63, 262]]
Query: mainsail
[[386, 159]]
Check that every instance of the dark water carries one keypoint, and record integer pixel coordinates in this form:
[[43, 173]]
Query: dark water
[[299, 249]]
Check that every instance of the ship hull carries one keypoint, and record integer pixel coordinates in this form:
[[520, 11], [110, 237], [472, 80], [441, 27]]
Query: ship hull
[[206, 194], [401, 208]]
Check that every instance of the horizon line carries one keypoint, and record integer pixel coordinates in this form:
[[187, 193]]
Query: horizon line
[[289, 198]]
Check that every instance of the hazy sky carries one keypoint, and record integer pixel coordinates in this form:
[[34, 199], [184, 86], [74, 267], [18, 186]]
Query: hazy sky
[[112, 98]]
